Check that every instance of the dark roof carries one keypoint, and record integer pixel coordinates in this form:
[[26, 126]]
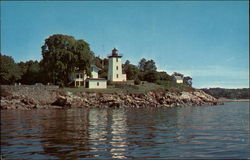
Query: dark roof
[[94, 66], [114, 50], [114, 54], [118, 56], [178, 77]]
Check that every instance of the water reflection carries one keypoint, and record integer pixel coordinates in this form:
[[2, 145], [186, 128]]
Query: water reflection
[[108, 127], [119, 132], [201, 132], [65, 134]]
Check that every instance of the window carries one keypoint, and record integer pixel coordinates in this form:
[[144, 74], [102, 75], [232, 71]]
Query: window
[[78, 75], [116, 59], [116, 67], [97, 83], [117, 75]]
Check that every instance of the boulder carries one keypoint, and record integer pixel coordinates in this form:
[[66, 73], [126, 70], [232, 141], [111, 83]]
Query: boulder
[[61, 101], [28, 101]]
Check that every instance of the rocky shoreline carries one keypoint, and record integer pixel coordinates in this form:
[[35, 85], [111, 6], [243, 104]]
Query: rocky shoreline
[[42, 97]]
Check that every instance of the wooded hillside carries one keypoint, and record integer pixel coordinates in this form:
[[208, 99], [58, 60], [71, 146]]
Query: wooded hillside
[[228, 93]]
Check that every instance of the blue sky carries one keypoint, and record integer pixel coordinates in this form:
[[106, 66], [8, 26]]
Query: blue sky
[[208, 41]]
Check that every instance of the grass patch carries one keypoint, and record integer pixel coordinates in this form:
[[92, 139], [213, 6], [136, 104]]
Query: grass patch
[[83, 89], [143, 88], [173, 86]]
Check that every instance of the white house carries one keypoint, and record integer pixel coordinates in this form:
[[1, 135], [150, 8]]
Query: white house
[[178, 79], [81, 79], [94, 81], [115, 67], [78, 78]]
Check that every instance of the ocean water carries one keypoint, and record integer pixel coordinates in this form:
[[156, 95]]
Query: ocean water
[[80, 133]]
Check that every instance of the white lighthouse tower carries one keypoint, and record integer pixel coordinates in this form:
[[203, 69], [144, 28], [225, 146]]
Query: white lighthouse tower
[[115, 67]]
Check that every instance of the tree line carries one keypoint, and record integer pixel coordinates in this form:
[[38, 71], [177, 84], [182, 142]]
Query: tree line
[[63, 54], [228, 93]]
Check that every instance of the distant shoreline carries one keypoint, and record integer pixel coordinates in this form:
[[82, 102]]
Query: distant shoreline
[[233, 100]]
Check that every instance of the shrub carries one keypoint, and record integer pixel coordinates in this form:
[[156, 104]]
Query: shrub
[[151, 76], [137, 81]]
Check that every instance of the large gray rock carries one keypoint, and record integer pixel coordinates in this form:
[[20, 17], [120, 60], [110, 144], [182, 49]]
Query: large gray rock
[[61, 101]]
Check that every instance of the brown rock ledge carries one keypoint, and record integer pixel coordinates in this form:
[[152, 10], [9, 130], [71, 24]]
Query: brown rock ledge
[[41, 97]]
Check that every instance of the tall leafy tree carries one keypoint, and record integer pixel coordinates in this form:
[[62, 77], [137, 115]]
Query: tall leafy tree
[[146, 65], [130, 70], [63, 54], [31, 72], [150, 66], [103, 73], [10, 71], [98, 62], [141, 64], [127, 62]]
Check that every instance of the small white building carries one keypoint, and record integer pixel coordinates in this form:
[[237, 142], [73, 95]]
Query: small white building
[[81, 79], [95, 82], [178, 79], [78, 78], [115, 67]]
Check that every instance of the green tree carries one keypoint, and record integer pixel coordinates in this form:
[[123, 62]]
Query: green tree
[[127, 62], [150, 66], [10, 71], [188, 81], [98, 62], [130, 70], [177, 74], [64, 54], [164, 76], [146, 65], [151, 76], [242, 93], [103, 73], [31, 72], [141, 64]]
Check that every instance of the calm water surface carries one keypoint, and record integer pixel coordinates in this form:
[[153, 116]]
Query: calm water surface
[[77, 133]]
